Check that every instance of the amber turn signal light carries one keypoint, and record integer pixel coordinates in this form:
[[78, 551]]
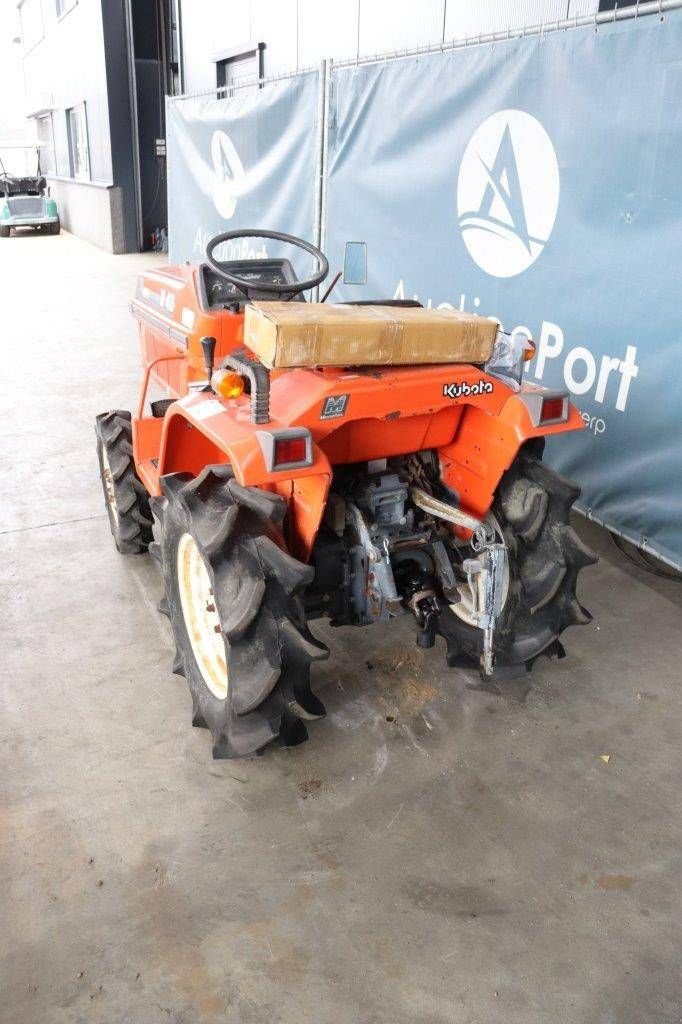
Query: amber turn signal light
[[529, 351], [227, 384]]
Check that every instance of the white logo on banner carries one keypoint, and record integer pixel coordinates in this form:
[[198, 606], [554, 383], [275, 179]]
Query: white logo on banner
[[228, 173], [507, 192]]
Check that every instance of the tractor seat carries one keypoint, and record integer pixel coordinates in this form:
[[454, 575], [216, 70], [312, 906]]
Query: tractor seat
[[284, 334]]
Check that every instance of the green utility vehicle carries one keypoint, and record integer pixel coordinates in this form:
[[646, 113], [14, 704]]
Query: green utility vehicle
[[25, 200]]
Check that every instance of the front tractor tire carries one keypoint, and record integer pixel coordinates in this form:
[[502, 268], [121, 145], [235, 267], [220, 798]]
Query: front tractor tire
[[531, 513], [5, 231], [125, 497], [232, 594]]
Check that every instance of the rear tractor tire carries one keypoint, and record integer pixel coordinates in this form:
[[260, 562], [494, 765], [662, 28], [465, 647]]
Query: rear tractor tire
[[232, 594], [5, 232], [125, 497], [531, 514]]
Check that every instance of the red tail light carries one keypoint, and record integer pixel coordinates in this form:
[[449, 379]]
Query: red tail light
[[553, 409], [290, 449]]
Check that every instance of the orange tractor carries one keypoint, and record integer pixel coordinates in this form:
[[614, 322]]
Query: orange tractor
[[357, 461]]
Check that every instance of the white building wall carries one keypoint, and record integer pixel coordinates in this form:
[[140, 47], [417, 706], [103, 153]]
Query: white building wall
[[299, 33], [66, 67], [13, 128]]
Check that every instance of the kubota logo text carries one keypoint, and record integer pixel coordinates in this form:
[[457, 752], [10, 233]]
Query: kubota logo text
[[507, 192], [484, 387], [228, 174]]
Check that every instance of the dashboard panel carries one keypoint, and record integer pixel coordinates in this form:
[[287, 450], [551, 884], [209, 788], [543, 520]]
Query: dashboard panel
[[218, 292]]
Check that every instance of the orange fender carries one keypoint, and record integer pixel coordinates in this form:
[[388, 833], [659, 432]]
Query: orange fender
[[485, 446], [200, 431]]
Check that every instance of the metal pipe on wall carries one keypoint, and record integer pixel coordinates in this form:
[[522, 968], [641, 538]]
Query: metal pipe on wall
[[132, 89]]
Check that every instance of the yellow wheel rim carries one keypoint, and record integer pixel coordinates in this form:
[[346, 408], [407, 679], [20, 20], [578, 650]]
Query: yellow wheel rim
[[201, 618]]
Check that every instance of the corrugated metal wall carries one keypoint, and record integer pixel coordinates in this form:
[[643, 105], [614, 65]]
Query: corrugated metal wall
[[299, 33]]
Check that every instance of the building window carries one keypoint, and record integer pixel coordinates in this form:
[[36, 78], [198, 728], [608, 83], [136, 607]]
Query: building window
[[77, 130], [64, 5], [32, 30], [46, 143], [238, 65]]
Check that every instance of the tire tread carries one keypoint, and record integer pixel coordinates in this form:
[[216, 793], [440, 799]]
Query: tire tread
[[133, 531], [256, 585]]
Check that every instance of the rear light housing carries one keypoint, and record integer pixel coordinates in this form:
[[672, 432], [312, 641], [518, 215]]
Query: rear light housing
[[546, 408], [554, 409], [289, 448]]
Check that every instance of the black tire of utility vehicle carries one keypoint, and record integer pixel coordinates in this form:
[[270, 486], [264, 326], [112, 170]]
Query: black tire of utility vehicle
[[532, 507], [125, 497], [5, 232], [255, 599]]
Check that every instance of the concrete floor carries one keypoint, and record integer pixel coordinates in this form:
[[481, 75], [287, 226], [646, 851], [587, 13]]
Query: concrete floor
[[432, 855]]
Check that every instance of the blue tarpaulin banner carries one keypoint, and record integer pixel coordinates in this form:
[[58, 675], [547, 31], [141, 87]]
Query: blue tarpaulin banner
[[538, 181], [243, 161], [535, 180]]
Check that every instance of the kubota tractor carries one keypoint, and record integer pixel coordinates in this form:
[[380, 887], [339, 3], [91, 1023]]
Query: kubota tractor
[[355, 492]]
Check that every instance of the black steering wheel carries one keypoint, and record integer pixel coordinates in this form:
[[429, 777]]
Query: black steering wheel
[[269, 287]]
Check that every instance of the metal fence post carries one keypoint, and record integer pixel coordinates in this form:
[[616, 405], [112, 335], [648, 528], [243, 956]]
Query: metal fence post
[[325, 151], [319, 161]]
